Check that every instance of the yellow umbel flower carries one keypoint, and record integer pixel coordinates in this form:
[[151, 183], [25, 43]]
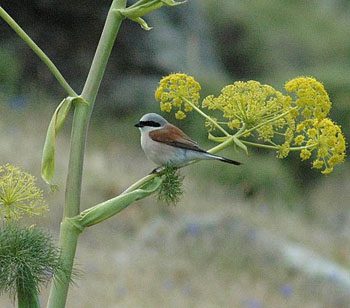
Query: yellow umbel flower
[[312, 99], [249, 102], [180, 115], [257, 107], [328, 142], [18, 194], [299, 139], [331, 146], [305, 154], [176, 91], [284, 149]]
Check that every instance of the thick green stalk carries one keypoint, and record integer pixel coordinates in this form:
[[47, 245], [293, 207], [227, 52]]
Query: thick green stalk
[[26, 300], [139, 183], [221, 146], [82, 113], [68, 243], [111, 207], [24, 36]]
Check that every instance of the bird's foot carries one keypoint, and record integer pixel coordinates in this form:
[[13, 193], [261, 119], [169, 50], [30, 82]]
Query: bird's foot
[[157, 170]]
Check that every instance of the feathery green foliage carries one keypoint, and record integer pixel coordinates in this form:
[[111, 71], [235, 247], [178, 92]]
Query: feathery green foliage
[[28, 260], [171, 190]]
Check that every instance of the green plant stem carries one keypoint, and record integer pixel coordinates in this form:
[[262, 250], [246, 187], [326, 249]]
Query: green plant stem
[[221, 146], [259, 145], [205, 115], [140, 182], [82, 113], [24, 36], [264, 123], [111, 207], [26, 300], [303, 147], [68, 243], [275, 147]]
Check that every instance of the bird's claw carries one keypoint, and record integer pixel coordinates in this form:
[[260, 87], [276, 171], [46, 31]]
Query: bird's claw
[[156, 170]]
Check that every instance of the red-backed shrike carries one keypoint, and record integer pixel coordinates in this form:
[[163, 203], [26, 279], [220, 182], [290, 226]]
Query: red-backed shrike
[[164, 143]]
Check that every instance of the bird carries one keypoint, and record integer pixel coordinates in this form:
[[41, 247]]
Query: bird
[[166, 144]]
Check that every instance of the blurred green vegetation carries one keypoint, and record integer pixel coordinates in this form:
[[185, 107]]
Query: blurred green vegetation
[[10, 70], [274, 41]]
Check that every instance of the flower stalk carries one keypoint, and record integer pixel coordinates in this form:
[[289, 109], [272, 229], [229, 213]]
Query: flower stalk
[[82, 113], [215, 123], [27, 300]]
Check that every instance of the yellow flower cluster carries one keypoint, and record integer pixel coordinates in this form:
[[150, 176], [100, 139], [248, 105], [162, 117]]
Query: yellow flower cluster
[[314, 131], [18, 194], [327, 140], [312, 100], [178, 91], [295, 122], [246, 102], [255, 106], [284, 149]]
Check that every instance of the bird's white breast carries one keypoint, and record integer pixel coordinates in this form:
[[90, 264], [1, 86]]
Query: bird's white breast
[[160, 153]]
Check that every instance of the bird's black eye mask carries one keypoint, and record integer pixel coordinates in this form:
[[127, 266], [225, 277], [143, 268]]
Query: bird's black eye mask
[[147, 123]]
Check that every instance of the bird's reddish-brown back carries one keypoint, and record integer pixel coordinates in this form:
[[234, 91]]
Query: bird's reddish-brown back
[[171, 135]]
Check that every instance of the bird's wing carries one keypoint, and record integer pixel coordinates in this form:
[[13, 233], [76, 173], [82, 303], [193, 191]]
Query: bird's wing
[[173, 136]]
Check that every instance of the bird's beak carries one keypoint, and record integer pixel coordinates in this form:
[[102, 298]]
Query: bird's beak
[[138, 124]]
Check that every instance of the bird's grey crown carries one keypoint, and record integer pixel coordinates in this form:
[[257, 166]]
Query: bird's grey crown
[[154, 117]]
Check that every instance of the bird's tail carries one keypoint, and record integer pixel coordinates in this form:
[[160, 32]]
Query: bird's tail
[[223, 159]]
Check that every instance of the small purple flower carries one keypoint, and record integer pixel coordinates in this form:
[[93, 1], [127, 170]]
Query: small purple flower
[[18, 101], [121, 291], [168, 284], [333, 276], [252, 234], [286, 290], [193, 228], [252, 303], [187, 290]]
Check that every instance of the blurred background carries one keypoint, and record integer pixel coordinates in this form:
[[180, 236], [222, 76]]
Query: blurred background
[[270, 233]]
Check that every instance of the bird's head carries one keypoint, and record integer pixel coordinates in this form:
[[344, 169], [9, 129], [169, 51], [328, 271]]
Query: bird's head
[[151, 121]]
